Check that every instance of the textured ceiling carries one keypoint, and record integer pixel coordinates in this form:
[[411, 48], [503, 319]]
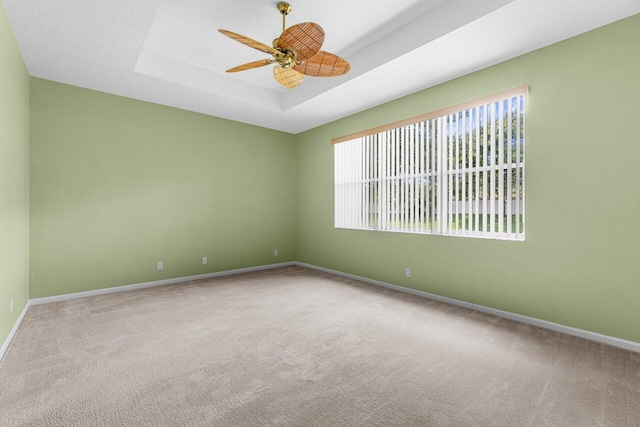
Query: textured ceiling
[[170, 52]]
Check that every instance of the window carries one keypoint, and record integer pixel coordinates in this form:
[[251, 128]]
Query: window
[[458, 171]]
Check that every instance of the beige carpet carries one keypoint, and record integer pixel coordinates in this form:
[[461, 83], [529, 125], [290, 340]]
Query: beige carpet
[[295, 347]]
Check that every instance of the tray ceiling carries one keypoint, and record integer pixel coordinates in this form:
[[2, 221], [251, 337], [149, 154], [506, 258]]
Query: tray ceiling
[[170, 52]]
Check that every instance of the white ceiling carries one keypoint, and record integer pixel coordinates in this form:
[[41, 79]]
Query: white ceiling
[[170, 52]]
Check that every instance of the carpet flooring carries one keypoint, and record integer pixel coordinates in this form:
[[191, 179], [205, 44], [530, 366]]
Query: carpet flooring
[[297, 347]]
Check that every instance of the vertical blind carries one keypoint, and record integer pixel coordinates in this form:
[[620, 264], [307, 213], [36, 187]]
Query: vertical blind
[[458, 171]]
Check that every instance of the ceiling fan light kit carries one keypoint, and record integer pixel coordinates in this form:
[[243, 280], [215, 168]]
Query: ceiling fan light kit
[[296, 53]]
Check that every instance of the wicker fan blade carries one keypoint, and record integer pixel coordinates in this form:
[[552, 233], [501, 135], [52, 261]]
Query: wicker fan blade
[[249, 42], [250, 65], [324, 64], [287, 77], [304, 40]]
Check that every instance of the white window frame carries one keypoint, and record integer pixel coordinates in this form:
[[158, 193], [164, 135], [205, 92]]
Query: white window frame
[[444, 172]]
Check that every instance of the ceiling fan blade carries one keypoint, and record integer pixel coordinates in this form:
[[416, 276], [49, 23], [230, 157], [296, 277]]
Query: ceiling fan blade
[[287, 77], [324, 64], [250, 65], [304, 40], [249, 42]]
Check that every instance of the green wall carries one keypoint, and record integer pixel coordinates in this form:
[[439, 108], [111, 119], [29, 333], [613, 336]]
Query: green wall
[[14, 180], [579, 264], [119, 184]]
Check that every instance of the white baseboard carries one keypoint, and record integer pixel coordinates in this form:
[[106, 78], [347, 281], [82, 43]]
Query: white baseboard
[[46, 300], [593, 336], [5, 346], [103, 291]]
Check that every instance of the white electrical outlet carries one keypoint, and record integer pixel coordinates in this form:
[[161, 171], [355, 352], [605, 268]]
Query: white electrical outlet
[[12, 305], [160, 265], [204, 260], [276, 253], [407, 272]]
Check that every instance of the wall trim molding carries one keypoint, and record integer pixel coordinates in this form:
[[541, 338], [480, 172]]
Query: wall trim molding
[[16, 325], [123, 288], [592, 336]]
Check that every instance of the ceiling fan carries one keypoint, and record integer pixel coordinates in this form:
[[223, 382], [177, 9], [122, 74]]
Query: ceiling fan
[[296, 53]]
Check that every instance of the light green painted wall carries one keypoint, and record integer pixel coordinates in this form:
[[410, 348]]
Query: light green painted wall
[[579, 264], [14, 179], [118, 184]]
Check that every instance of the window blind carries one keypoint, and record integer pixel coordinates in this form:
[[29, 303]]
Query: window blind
[[458, 171]]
